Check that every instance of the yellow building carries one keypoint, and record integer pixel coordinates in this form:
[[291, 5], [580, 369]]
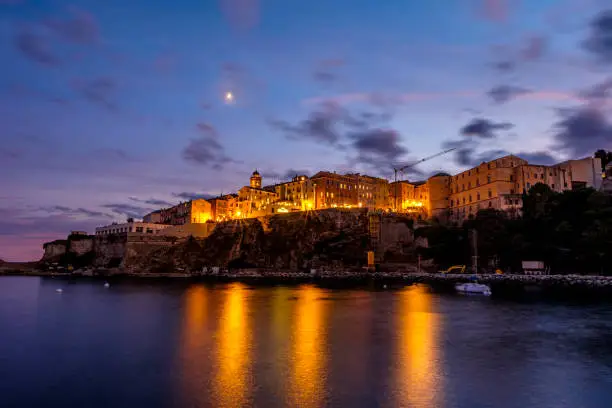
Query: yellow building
[[351, 190], [297, 194], [253, 198], [190, 212]]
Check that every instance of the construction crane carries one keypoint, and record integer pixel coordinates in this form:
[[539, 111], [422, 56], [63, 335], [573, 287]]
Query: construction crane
[[401, 169]]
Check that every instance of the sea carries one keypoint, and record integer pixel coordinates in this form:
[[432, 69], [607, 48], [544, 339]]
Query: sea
[[194, 344]]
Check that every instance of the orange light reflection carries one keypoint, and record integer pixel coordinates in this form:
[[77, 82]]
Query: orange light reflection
[[419, 369], [232, 383], [307, 380]]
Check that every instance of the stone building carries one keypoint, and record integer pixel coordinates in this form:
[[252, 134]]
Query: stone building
[[224, 207], [349, 190], [253, 198], [131, 227], [297, 194], [191, 212], [497, 184]]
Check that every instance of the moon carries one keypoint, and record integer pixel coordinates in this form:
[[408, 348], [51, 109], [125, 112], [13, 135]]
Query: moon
[[228, 97]]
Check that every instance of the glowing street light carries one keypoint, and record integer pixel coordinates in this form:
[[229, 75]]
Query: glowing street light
[[229, 97]]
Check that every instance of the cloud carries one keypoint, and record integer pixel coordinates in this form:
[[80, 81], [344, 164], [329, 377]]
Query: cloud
[[583, 130], [504, 66], [35, 47], [503, 93], [599, 91], [206, 129], [100, 91], [322, 125], [379, 149], [152, 201], [188, 196], [534, 48], [23, 231], [325, 71], [206, 149], [599, 40], [81, 28], [128, 210], [241, 14], [495, 10], [74, 212], [538, 157], [484, 128]]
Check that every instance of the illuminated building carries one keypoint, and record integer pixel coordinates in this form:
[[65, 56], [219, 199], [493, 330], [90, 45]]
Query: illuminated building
[[353, 190], [224, 207], [131, 227], [497, 184], [500, 183], [153, 217], [253, 198], [297, 194], [191, 212]]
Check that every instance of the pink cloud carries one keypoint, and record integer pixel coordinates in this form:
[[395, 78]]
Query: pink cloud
[[360, 97], [495, 10], [241, 14]]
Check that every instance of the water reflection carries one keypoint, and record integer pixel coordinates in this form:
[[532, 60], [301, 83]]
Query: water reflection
[[193, 341], [419, 383], [307, 379], [232, 383]]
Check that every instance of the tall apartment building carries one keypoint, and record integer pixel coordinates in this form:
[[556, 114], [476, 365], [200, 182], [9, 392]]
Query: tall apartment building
[[349, 190], [497, 184], [297, 194]]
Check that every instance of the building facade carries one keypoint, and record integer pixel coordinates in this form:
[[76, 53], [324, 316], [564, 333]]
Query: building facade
[[191, 212], [297, 194], [131, 227], [331, 190]]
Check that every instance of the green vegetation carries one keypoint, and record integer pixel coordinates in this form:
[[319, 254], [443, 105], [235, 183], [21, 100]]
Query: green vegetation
[[570, 231]]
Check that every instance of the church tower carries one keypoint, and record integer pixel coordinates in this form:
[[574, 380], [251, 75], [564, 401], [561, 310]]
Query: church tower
[[255, 180]]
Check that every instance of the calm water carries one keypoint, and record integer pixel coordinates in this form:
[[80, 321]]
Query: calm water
[[231, 345]]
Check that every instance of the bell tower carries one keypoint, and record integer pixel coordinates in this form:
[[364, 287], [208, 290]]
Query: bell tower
[[255, 180]]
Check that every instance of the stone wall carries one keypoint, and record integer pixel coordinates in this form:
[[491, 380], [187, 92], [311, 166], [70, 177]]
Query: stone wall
[[109, 250], [81, 246], [54, 250]]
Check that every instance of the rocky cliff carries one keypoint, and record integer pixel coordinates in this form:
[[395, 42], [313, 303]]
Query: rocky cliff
[[330, 239]]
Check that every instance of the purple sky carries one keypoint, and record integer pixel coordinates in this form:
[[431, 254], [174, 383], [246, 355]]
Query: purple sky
[[109, 109]]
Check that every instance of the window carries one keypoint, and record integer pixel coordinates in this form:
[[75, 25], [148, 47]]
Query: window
[[463, 200], [470, 198], [138, 229], [478, 196], [477, 182], [490, 204], [511, 177], [552, 186], [469, 184], [490, 194], [528, 186], [488, 178]]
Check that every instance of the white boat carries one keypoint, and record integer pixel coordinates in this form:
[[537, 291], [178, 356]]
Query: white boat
[[59, 290], [107, 285], [471, 287]]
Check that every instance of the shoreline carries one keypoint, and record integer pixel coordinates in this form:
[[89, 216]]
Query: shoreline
[[501, 285]]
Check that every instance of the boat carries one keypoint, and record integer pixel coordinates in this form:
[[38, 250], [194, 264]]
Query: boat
[[107, 285], [59, 290], [473, 288]]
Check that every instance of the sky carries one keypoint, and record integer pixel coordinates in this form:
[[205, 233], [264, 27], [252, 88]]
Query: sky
[[112, 109]]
